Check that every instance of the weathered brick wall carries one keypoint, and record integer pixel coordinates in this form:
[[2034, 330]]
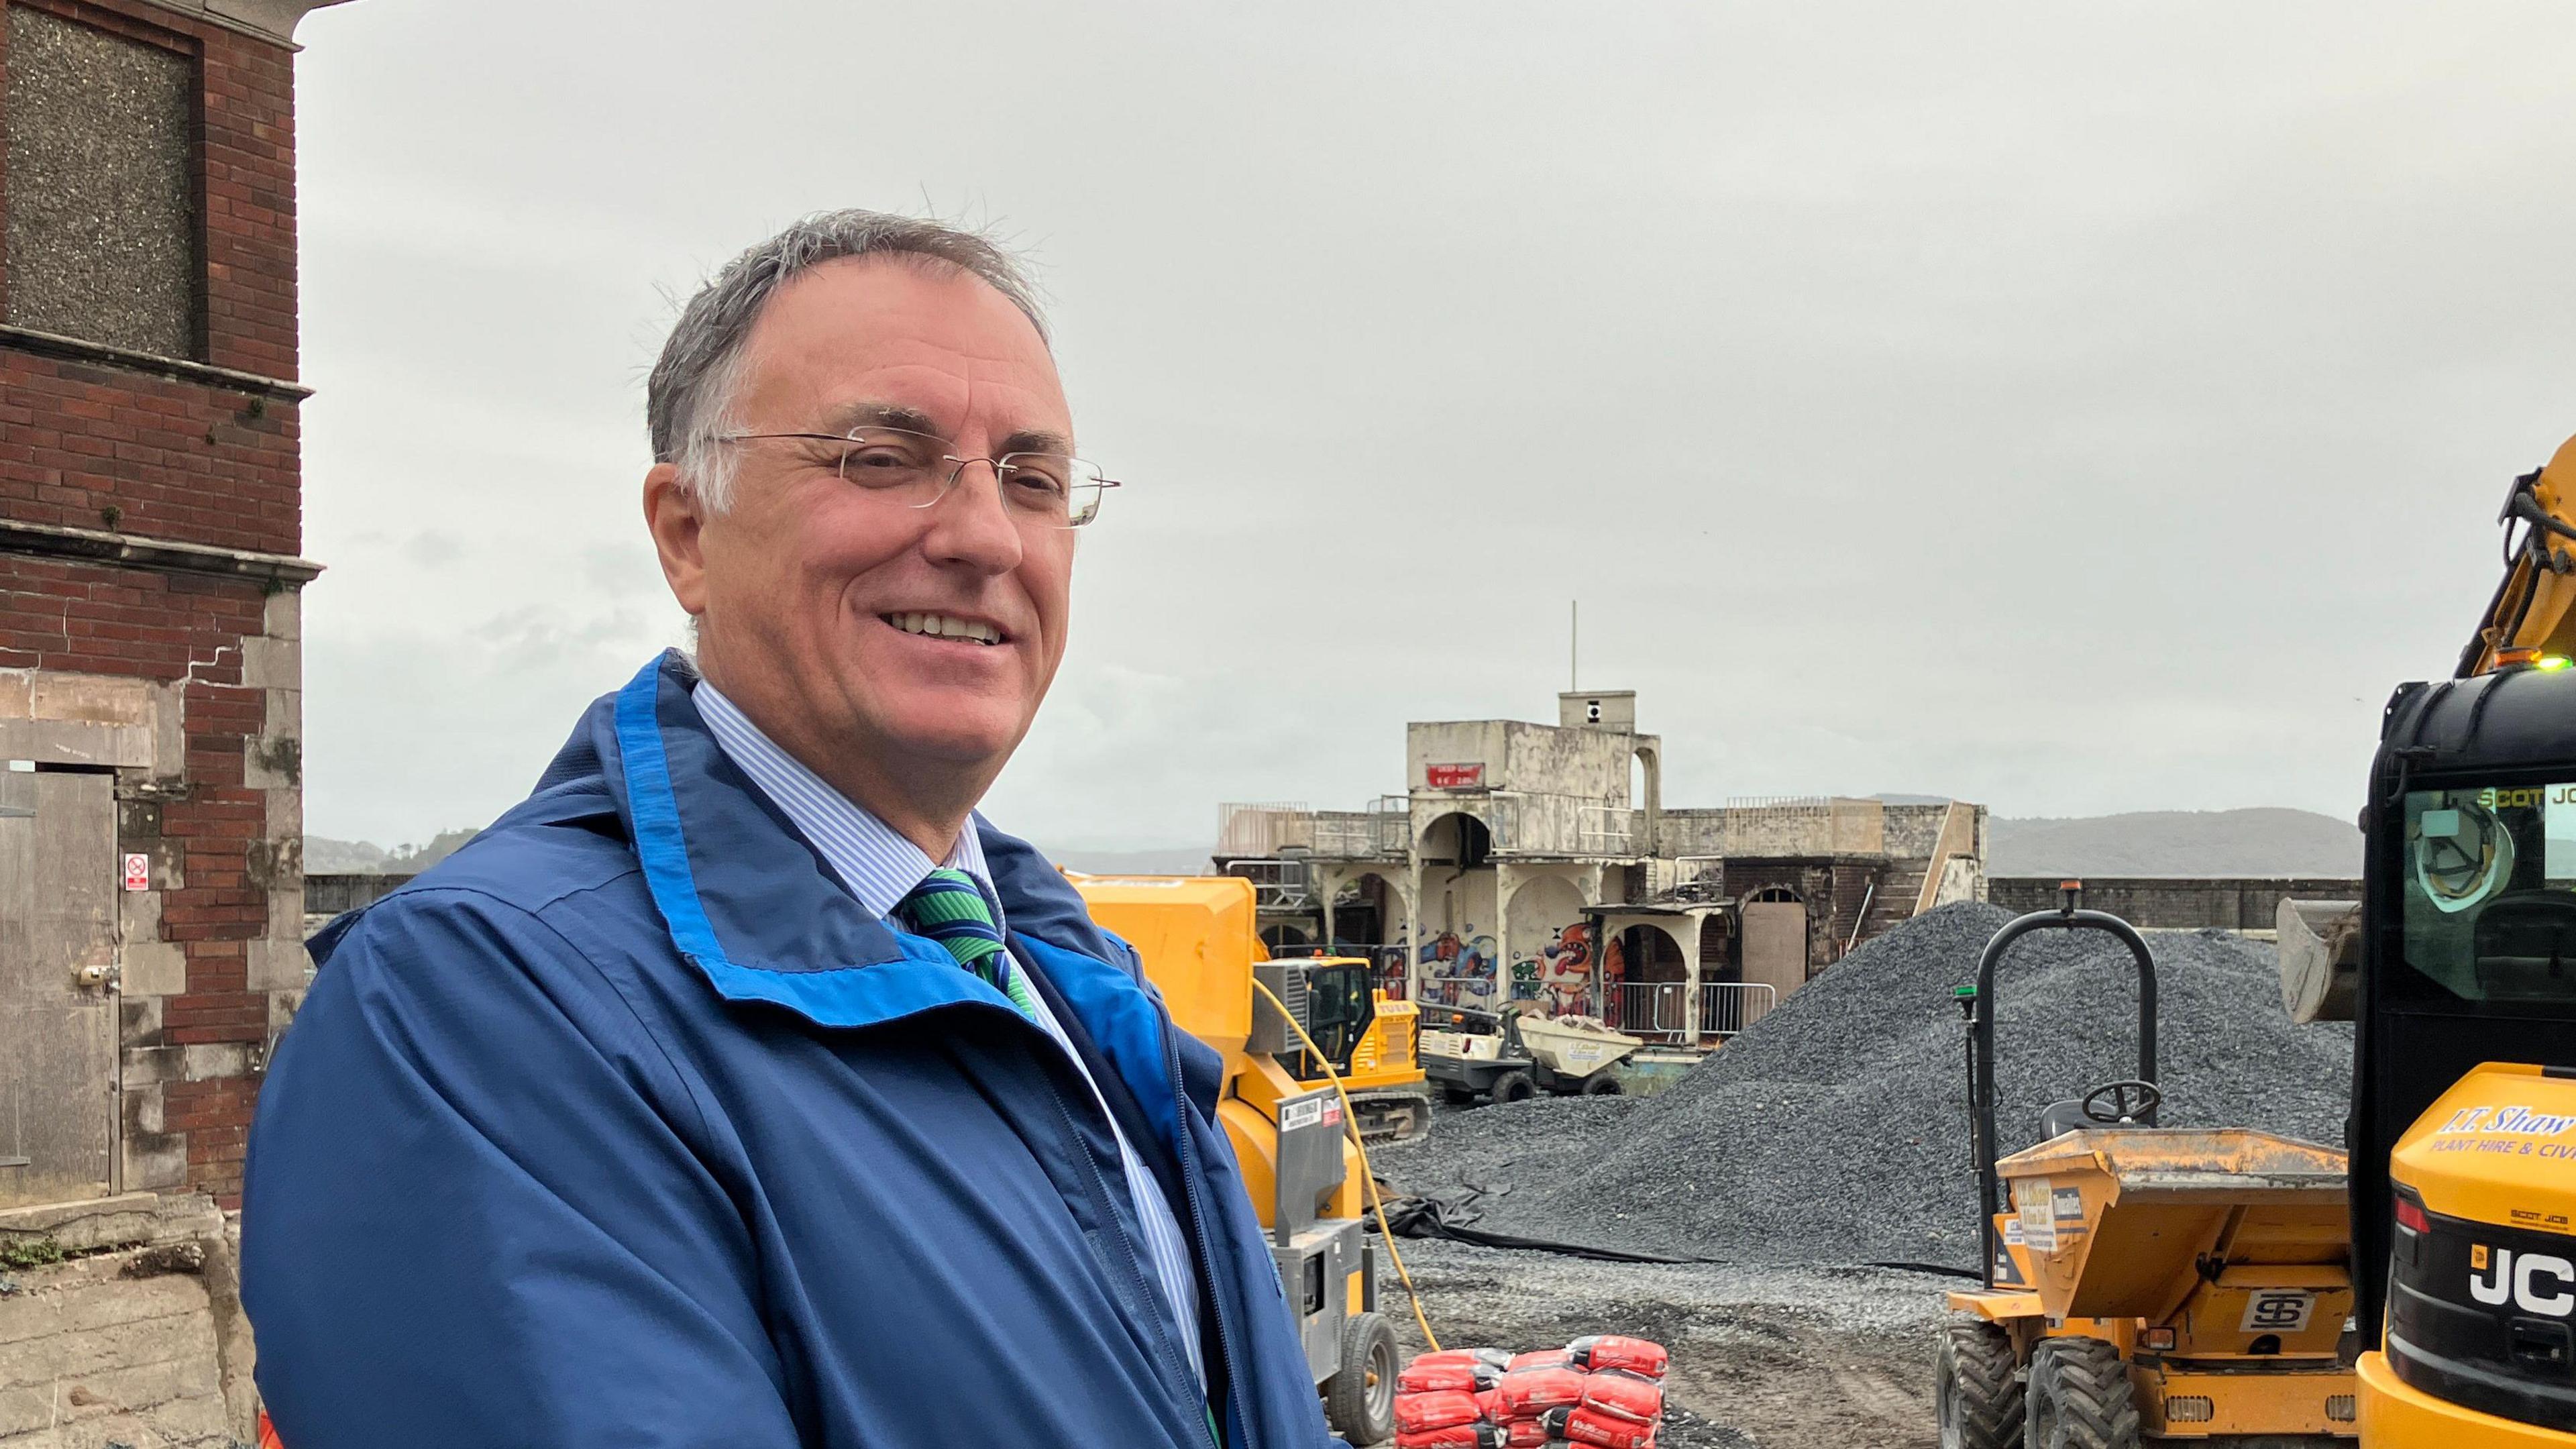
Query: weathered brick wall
[[87, 445], [211, 961], [208, 666], [1832, 888]]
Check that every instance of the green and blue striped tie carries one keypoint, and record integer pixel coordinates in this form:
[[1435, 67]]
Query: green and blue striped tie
[[948, 907]]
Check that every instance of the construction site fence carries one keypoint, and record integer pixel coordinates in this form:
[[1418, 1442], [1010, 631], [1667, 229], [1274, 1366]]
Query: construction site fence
[[1727, 1007], [1650, 1009], [1658, 1010], [1481, 992]]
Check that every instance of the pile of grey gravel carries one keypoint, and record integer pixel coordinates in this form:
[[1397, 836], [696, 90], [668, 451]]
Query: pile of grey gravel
[[1835, 1130]]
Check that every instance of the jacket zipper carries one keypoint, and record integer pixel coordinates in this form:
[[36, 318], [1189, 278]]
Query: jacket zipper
[[1189, 1181], [1144, 1277], [1199, 1237]]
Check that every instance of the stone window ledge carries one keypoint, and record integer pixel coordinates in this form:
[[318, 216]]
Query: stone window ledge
[[161, 555], [74, 349]]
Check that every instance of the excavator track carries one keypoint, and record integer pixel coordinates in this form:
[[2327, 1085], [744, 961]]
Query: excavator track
[[1392, 1114]]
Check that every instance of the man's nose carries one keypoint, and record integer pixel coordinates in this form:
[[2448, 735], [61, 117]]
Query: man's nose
[[970, 524]]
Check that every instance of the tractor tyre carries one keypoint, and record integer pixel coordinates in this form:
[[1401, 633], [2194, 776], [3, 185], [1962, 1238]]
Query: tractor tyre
[[1976, 1387], [1603, 1083], [1515, 1086], [1360, 1396], [2080, 1397]]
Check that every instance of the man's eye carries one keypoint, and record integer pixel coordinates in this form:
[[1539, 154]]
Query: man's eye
[[877, 460], [1037, 479]]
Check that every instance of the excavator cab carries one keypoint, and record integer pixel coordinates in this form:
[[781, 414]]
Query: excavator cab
[[2463, 1128]]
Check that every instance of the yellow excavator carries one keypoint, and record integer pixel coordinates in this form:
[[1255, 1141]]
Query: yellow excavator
[[1282, 1113], [2458, 969], [1372, 1041]]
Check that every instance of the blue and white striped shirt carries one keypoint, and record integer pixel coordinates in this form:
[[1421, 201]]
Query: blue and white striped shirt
[[880, 867]]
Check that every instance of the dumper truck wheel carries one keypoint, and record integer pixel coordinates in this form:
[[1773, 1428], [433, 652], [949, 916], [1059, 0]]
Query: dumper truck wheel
[[2080, 1397], [1458, 1095], [1603, 1083], [1360, 1396], [1514, 1086], [1976, 1389]]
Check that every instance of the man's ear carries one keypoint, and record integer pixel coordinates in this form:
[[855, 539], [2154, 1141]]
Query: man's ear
[[678, 521]]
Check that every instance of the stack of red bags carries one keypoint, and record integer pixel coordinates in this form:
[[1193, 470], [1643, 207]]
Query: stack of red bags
[[1605, 1391]]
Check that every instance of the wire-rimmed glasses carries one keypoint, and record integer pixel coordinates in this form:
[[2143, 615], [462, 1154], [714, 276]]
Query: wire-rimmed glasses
[[916, 470]]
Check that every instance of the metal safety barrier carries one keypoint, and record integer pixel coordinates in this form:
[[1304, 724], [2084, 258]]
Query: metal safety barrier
[[1727, 1007], [1475, 991], [1651, 1009]]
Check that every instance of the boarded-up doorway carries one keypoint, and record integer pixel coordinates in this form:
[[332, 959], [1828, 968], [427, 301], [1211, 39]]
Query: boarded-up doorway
[[1775, 944], [58, 884]]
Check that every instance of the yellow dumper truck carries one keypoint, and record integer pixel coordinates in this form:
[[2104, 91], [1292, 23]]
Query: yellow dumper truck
[[2143, 1282]]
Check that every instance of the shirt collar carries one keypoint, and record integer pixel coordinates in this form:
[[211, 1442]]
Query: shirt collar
[[874, 860]]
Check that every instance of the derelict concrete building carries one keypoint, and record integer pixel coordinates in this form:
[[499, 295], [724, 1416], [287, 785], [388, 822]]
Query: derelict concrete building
[[1539, 862]]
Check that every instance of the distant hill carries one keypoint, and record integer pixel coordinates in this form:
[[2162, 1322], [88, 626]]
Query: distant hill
[[2266, 842], [325, 856]]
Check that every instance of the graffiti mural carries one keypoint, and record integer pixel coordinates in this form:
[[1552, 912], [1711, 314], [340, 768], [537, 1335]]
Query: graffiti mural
[[1552, 946], [1458, 970], [1558, 975]]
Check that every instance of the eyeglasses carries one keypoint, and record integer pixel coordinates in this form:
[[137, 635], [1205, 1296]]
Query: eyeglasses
[[916, 470]]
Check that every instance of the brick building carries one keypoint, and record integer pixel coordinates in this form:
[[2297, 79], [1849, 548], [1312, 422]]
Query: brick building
[[150, 539]]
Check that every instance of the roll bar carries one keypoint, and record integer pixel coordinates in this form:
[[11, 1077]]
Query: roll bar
[[1981, 1025]]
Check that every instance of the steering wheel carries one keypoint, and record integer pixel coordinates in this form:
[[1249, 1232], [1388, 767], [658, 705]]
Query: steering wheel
[[2114, 1104]]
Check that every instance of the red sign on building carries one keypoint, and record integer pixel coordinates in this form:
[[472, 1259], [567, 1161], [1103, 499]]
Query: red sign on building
[[1456, 777]]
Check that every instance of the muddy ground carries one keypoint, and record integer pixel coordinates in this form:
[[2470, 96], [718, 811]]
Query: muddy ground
[[1764, 1357]]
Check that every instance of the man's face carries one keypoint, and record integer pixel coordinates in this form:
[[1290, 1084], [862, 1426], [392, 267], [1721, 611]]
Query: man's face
[[814, 590]]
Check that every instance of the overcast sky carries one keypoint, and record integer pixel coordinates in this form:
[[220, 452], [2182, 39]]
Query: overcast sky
[[2073, 408]]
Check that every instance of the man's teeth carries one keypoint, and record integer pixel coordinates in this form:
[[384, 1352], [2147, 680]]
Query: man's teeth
[[940, 626]]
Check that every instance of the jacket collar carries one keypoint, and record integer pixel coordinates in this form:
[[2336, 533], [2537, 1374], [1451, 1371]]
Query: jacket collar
[[748, 901]]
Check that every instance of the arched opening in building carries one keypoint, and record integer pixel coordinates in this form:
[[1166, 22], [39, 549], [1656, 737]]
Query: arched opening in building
[[1370, 922], [1551, 945], [1646, 796], [1284, 939], [1648, 999], [1457, 840]]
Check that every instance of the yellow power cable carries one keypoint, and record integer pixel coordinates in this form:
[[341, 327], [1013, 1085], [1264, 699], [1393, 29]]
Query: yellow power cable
[[1351, 1121]]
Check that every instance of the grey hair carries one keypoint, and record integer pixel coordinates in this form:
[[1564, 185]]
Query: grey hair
[[690, 394]]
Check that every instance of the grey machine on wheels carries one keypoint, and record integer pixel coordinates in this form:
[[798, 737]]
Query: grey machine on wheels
[[1350, 1347]]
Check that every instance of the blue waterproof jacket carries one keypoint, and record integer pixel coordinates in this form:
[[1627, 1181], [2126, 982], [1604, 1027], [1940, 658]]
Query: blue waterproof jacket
[[628, 1125]]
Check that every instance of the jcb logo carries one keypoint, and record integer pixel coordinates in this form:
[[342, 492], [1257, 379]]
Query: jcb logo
[[2534, 1282]]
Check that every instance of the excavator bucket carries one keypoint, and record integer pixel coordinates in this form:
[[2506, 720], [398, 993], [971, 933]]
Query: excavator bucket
[[2320, 958]]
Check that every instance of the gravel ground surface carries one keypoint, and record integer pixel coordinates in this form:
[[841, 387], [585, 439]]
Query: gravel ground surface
[[1835, 1129], [1764, 1357]]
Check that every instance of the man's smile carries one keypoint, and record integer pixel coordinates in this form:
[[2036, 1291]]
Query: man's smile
[[962, 628]]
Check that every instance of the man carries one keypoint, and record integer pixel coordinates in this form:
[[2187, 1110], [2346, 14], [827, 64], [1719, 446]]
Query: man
[[742, 1087]]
